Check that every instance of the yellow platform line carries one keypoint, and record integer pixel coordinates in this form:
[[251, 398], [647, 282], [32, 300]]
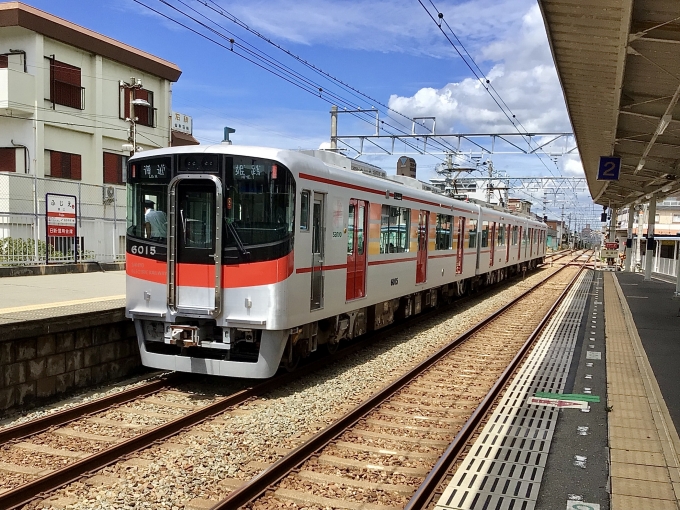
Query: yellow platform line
[[643, 442], [42, 306]]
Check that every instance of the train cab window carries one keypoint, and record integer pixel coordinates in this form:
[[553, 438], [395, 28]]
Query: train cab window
[[485, 234], [197, 217], [501, 235], [304, 210], [472, 231], [443, 234], [394, 229], [147, 199]]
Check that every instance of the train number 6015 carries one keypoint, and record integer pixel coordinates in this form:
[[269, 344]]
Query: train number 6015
[[143, 250]]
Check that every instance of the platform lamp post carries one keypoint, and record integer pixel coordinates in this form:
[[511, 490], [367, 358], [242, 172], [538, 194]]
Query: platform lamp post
[[133, 122]]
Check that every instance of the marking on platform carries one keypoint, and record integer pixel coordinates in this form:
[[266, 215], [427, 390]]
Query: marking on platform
[[568, 396], [555, 402], [638, 297], [580, 505], [593, 355], [42, 306]]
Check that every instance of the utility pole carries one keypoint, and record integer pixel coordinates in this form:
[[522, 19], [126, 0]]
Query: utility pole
[[135, 84], [561, 226], [334, 128]]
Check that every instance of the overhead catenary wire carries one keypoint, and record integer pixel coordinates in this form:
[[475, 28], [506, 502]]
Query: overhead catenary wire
[[279, 70]]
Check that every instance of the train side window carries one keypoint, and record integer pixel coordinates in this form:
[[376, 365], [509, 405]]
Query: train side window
[[485, 234], [394, 229], [350, 230], [501, 235], [304, 210], [515, 230], [472, 229], [443, 232]]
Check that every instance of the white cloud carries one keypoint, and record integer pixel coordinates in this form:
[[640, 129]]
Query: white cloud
[[523, 74], [572, 166]]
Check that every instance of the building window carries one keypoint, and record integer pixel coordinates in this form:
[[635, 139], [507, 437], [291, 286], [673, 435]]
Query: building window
[[145, 114], [63, 165], [114, 168], [8, 159], [676, 218], [65, 86]]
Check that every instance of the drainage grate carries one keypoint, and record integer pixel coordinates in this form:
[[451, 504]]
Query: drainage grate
[[504, 468]]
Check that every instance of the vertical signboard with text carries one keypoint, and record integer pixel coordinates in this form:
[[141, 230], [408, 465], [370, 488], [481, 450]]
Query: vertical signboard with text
[[60, 214]]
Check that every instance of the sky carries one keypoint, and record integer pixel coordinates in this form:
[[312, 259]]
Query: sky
[[390, 52]]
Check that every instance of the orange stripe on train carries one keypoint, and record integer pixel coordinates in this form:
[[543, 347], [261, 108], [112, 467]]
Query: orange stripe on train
[[203, 275]]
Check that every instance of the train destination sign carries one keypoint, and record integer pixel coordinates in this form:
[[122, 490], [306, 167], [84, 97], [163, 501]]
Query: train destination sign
[[151, 170]]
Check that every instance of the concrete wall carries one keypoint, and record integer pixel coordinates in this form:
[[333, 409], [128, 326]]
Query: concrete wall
[[95, 349]]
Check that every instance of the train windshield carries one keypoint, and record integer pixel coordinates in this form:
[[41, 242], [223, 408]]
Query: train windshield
[[147, 199], [260, 202]]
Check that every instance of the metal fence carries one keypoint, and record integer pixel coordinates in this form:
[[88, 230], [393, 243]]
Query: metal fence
[[661, 265], [100, 221]]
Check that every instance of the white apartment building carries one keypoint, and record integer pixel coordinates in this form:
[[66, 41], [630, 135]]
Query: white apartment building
[[65, 94]]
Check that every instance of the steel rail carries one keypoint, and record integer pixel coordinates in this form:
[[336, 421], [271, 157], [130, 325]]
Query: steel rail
[[23, 494], [257, 485], [428, 487], [73, 413]]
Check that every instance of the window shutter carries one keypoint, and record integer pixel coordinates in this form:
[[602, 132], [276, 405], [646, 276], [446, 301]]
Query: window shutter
[[75, 161], [112, 168], [55, 164], [8, 159]]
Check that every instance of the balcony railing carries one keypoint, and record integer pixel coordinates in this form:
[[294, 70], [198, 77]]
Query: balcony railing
[[67, 94]]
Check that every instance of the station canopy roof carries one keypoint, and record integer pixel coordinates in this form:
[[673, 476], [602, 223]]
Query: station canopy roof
[[617, 61]]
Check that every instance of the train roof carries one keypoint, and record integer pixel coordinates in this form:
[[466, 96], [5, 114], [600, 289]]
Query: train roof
[[333, 169]]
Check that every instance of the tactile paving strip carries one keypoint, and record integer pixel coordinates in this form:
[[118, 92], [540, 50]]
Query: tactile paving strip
[[504, 468]]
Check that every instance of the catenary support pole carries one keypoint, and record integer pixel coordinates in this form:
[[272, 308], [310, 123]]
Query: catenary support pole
[[629, 239], [651, 244]]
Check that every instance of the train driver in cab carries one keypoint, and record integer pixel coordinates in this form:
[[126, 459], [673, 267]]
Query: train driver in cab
[[155, 222]]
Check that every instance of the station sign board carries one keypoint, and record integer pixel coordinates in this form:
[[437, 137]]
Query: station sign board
[[611, 246], [609, 254], [609, 169], [61, 212], [61, 215]]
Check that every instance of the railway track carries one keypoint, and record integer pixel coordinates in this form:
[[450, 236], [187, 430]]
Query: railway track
[[377, 455], [48, 453]]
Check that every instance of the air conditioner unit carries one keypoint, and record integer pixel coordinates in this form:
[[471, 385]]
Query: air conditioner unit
[[108, 194]]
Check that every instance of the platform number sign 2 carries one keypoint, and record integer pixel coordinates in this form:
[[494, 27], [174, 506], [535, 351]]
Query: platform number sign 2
[[609, 169]]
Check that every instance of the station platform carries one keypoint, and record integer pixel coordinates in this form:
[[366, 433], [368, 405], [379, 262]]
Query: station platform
[[30, 298], [590, 420]]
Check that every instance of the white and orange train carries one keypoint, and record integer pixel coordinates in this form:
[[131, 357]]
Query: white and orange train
[[244, 259]]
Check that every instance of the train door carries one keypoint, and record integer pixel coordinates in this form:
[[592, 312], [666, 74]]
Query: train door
[[508, 242], [318, 235], [460, 252], [421, 256], [195, 245], [531, 242], [519, 244], [356, 249], [492, 242]]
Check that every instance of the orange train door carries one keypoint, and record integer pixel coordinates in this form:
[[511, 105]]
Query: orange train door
[[492, 242], [460, 246], [421, 256], [356, 249]]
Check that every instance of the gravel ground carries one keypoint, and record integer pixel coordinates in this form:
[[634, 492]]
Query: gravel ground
[[174, 476]]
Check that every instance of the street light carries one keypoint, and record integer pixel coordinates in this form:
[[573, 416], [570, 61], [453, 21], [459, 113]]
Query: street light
[[133, 120]]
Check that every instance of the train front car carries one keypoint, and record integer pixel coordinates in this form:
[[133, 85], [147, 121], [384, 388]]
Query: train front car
[[209, 236]]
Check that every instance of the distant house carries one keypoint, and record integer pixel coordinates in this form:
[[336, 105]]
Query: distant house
[[65, 94]]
